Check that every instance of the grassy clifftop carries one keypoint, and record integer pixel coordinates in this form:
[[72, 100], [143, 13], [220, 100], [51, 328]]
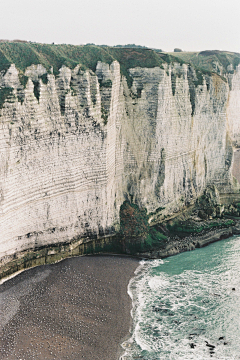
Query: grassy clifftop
[[211, 60], [50, 55]]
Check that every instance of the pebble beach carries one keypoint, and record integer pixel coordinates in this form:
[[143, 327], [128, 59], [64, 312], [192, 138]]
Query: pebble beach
[[78, 308]]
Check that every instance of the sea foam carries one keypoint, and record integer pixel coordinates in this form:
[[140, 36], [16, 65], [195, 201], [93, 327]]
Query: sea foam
[[185, 307]]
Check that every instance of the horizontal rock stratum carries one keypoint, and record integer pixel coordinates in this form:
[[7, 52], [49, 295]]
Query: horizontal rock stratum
[[76, 142]]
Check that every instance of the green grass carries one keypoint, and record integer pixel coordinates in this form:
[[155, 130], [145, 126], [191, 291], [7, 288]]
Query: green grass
[[155, 240], [205, 60], [50, 55], [171, 58], [26, 54], [190, 228], [53, 57], [136, 57]]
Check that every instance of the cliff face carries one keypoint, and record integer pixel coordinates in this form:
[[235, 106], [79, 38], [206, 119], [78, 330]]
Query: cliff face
[[75, 145]]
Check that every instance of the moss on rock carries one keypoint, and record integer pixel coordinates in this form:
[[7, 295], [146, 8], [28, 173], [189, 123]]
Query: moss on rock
[[137, 236]]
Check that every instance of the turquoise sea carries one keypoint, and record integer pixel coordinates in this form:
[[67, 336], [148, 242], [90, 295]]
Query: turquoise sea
[[187, 306]]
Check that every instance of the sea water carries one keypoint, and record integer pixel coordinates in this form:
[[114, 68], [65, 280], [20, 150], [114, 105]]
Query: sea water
[[187, 306]]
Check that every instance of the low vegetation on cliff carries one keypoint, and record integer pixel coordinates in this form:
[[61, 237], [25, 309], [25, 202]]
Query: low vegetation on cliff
[[220, 62], [138, 236], [135, 232], [53, 56]]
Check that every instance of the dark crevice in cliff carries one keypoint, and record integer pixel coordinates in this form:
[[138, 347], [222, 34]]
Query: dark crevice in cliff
[[23, 80], [173, 81], [36, 89], [4, 94], [192, 88], [161, 173]]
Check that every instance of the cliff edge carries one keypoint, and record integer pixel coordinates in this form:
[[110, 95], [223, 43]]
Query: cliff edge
[[88, 134]]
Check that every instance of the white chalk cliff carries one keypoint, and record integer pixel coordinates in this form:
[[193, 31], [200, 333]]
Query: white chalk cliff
[[71, 155]]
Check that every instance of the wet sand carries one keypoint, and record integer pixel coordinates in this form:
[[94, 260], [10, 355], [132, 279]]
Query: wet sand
[[76, 309]]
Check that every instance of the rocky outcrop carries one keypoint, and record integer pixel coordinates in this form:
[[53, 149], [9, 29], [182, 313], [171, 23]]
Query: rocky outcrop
[[76, 145]]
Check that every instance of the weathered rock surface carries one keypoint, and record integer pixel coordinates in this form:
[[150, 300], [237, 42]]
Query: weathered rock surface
[[74, 146]]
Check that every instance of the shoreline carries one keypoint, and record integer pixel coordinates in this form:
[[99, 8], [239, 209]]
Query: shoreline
[[77, 308], [55, 253], [192, 242], [173, 248]]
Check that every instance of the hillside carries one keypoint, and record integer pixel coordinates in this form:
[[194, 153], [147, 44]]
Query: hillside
[[53, 56], [220, 62]]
